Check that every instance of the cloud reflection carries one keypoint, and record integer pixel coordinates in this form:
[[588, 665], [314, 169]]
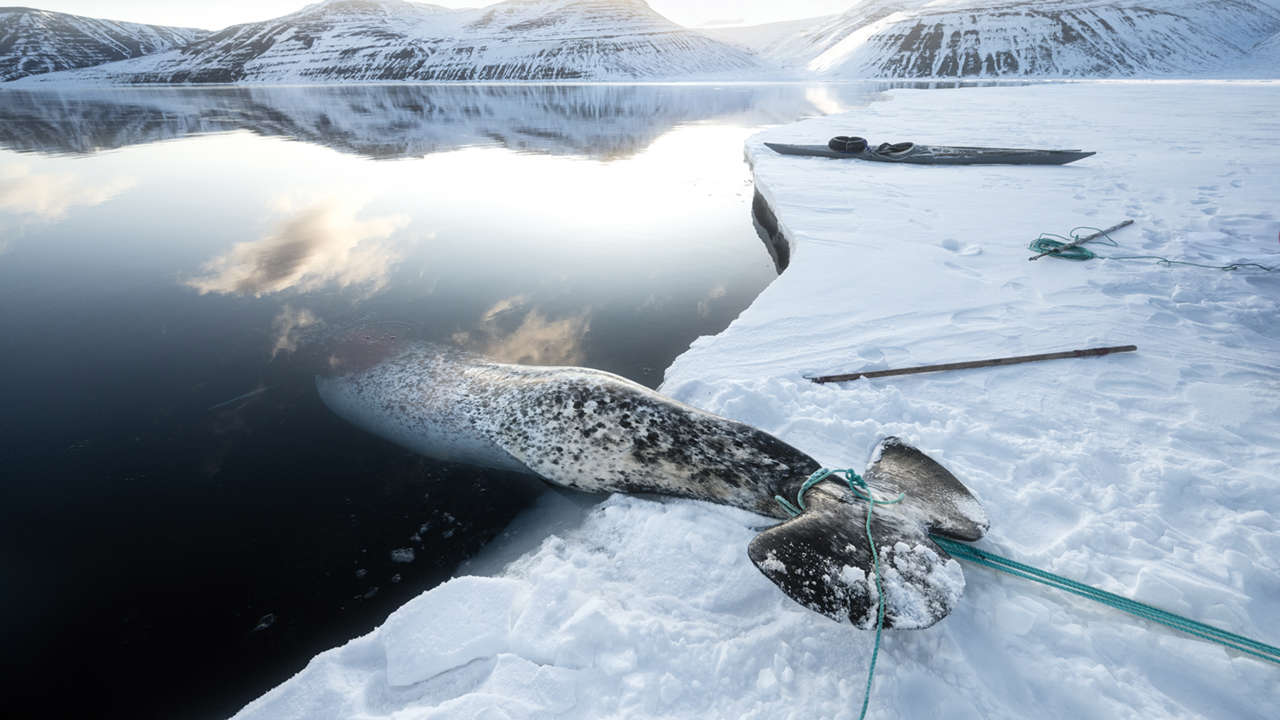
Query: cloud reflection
[[49, 196], [324, 244], [535, 340], [287, 328], [704, 305]]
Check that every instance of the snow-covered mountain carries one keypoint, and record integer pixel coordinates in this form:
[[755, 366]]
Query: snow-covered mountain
[[1045, 38], [762, 39], [37, 41], [388, 40], [799, 48], [1264, 58]]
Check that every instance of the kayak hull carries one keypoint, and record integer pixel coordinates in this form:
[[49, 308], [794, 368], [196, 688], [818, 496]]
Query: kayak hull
[[941, 155]]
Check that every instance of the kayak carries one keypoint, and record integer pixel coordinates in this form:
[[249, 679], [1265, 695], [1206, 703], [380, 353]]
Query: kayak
[[938, 154]]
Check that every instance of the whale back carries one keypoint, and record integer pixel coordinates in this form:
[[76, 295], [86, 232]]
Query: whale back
[[597, 432], [574, 427], [413, 398]]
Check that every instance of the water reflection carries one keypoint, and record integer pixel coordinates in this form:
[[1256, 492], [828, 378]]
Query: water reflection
[[288, 327], [512, 331], [401, 121], [319, 245], [170, 303], [48, 196]]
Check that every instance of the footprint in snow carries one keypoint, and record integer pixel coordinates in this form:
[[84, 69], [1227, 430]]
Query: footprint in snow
[[960, 248]]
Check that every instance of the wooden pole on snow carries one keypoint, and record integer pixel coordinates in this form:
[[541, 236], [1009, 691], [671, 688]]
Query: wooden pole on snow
[[1091, 352]]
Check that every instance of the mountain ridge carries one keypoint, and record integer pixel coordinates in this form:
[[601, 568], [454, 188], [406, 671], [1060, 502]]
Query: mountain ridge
[[1032, 38], [365, 41], [394, 40], [34, 41]]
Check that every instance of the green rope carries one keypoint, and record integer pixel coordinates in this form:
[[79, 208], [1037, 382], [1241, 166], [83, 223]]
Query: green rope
[[1133, 607], [861, 490], [964, 551], [1050, 243]]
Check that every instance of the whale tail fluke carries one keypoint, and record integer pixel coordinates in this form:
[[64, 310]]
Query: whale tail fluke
[[949, 507], [822, 558]]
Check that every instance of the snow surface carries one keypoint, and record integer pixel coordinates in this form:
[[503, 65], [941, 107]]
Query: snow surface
[[1151, 474]]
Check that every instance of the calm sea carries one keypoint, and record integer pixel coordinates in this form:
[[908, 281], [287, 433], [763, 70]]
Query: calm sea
[[184, 523]]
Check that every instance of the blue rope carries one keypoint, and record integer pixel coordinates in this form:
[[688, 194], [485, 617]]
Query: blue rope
[[861, 490]]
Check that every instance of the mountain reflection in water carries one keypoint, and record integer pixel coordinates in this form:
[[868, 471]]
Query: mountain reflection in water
[[184, 523], [402, 121]]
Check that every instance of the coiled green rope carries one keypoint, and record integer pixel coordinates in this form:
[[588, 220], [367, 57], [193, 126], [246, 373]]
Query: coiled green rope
[[861, 490], [1050, 243]]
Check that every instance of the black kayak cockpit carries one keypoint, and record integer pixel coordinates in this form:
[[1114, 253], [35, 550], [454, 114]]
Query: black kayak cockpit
[[847, 144]]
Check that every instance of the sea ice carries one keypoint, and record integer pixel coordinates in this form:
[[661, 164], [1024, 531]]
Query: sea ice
[[1150, 474]]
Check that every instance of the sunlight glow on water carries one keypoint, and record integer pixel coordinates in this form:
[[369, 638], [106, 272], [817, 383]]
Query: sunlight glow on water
[[237, 214]]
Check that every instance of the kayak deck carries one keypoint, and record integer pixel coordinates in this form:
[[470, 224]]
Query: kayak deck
[[941, 155]]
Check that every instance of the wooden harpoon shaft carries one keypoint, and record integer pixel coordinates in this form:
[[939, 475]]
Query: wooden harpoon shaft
[[1091, 352]]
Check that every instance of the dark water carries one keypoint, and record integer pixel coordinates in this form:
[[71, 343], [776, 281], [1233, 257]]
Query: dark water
[[184, 524]]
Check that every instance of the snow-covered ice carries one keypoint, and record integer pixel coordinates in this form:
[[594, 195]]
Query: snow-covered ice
[[1151, 474]]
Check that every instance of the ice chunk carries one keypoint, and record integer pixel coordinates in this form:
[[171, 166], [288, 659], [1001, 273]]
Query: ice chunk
[[463, 620]]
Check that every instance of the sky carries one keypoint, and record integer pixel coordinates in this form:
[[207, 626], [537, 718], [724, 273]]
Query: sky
[[214, 15]]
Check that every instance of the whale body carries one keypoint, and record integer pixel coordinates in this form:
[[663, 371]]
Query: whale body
[[597, 432]]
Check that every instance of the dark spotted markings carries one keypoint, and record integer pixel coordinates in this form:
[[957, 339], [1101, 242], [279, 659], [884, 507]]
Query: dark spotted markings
[[597, 432]]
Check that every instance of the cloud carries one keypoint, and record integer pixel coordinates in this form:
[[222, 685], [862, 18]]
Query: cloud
[[49, 196], [534, 341], [321, 245]]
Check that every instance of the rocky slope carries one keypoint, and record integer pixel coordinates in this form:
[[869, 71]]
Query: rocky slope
[[392, 40], [37, 41], [1264, 58], [1043, 38]]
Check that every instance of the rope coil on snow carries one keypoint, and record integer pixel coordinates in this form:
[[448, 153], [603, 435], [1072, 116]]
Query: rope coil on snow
[[1071, 248]]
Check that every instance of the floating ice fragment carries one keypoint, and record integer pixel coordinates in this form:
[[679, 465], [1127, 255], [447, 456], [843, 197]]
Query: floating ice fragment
[[462, 620]]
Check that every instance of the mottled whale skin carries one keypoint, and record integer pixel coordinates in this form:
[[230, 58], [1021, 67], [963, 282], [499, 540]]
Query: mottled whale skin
[[597, 432]]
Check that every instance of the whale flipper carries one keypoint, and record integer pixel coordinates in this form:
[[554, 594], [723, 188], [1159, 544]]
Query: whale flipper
[[822, 558]]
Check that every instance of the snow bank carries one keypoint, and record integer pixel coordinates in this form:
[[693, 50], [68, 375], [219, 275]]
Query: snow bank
[[1150, 474]]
